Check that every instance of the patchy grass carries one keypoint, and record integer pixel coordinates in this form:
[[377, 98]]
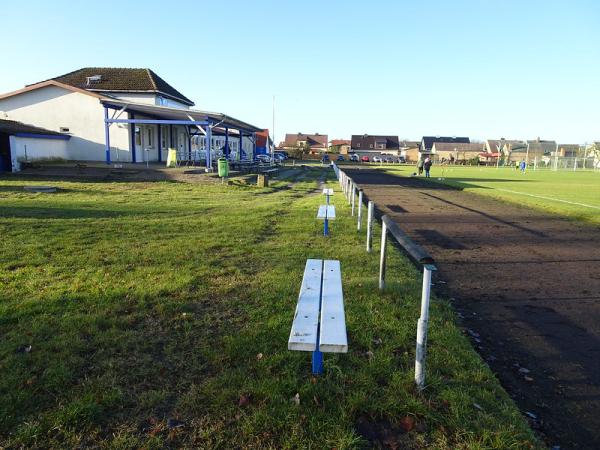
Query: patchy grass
[[572, 194], [158, 316]]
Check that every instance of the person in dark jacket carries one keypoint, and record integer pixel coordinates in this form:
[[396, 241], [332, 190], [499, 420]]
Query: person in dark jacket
[[427, 166]]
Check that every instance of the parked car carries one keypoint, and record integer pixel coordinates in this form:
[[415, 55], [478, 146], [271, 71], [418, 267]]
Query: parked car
[[364, 159], [354, 157], [388, 159], [401, 159], [278, 157], [377, 159], [341, 158], [263, 158], [283, 155]]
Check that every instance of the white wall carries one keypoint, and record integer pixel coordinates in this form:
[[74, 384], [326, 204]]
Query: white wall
[[52, 107], [148, 99], [30, 149]]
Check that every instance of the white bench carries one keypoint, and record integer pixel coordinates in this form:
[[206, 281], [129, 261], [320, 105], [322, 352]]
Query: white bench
[[319, 324], [326, 213]]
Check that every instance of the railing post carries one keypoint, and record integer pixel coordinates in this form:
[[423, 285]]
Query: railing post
[[382, 257], [422, 328], [370, 227], [348, 192], [353, 201], [360, 201]]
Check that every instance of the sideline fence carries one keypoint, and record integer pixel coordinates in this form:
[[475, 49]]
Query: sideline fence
[[416, 253]]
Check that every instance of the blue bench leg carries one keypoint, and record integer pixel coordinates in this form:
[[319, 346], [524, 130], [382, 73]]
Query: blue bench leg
[[326, 227], [317, 363]]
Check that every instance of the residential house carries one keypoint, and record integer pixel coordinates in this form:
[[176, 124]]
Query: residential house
[[341, 146], [502, 148], [568, 150], [457, 152], [428, 141], [365, 143], [124, 114], [314, 143], [409, 150], [20, 142]]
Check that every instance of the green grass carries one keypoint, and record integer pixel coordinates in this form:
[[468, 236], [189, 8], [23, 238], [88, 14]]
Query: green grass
[[556, 188], [149, 301]]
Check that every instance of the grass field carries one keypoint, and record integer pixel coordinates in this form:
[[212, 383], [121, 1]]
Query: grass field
[[158, 316], [572, 194]]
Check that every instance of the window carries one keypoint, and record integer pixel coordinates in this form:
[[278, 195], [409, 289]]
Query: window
[[358, 144], [138, 136], [64, 130], [149, 138], [370, 145]]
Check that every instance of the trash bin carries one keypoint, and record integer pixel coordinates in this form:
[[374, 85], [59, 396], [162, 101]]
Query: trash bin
[[223, 166]]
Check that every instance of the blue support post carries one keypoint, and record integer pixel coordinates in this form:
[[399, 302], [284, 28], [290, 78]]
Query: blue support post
[[208, 147], [253, 145], [326, 227], [240, 149], [317, 361], [107, 135], [132, 131], [317, 356], [171, 136], [159, 143], [227, 142]]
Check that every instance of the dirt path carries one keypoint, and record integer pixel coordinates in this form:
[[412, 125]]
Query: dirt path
[[528, 286]]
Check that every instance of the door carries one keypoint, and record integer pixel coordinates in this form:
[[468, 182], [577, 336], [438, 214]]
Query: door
[[181, 145], [145, 143], [5, 159]]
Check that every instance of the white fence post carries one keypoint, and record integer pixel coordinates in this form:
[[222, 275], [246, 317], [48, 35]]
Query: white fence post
[[353, 199], [360, 201], [422, 328], [349, 191], [382, 257], [370, 227]]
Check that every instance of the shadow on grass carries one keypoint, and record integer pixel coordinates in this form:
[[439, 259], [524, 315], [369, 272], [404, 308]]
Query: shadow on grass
[[35, 212]]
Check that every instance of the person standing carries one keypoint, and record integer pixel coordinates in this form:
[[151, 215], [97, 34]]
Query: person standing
[[523, 165], [427, 166], [420, 164]]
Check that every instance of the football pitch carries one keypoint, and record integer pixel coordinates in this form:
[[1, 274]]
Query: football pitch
[[575, 194]]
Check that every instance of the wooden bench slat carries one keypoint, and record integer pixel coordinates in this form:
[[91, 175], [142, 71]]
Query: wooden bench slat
[[303, 335], [332, 337], [326, 211]]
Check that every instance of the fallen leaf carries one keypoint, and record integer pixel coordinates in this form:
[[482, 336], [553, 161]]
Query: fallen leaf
[[478, 406], [259, 356], [316, 400], [528, 378], [369, 354], [407, 423], [244, 400]]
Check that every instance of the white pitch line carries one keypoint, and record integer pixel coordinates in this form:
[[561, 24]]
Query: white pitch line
[[548, 198]]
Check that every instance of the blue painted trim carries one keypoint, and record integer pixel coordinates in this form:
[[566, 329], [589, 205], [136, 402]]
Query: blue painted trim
[[42, 136], [132, 131], [208, 147], [159, 143], [157, 122]]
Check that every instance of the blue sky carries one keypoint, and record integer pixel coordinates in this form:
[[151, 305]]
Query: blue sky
[[484, 69]]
